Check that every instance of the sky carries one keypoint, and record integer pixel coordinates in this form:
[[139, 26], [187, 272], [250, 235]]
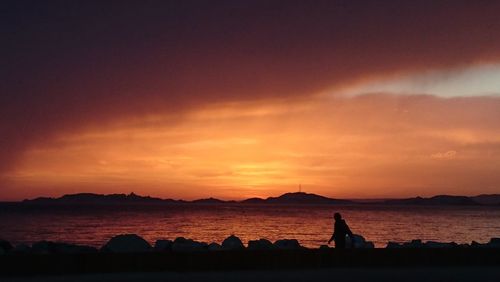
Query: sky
[[237, 99]]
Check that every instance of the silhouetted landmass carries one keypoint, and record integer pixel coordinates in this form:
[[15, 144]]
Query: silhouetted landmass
[[439, 200], [305, 198], [296, 198], [211, 201], [254, 201], [112, 199], [488, 199], [98, 199]]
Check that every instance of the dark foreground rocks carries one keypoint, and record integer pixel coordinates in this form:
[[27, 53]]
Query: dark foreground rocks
[[46, 247], [131, 253], [126, 243], [132, 243], [163, 245], [182, 244], [261, 244], [494, 243], [232, 243]]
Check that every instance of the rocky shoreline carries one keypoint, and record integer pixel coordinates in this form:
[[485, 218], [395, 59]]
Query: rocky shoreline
[[132, 243], [131, 253]]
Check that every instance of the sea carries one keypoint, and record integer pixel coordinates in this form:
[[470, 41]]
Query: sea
[[311, 225]]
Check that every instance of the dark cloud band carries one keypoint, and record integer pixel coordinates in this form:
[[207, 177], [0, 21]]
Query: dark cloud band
[[67, 64]]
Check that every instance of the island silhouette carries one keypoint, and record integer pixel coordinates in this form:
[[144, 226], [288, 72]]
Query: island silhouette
[[294, 198]]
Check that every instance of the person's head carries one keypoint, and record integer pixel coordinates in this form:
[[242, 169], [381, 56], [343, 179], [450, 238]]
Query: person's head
[[337, 216]]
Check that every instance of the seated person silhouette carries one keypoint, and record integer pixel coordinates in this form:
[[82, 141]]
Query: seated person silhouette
[[340, 231]]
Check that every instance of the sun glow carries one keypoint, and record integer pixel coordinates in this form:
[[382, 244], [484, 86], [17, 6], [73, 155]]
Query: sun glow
[[343, 147]]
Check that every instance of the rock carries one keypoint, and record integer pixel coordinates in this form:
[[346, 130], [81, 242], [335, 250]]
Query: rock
[[126, 243], [47, 247], [428, 244], [5, 245], [413, 244], [21, 248], [261, 244], [475, 244], [393, 245], [324, 247], [494, 243], [287, 244], [439, 245], [369, 245], [75, 249], [182, 244], [163, 245], [232, 243], [359, 242], [214, 247]]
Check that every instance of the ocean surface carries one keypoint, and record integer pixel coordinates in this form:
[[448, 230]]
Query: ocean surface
[[311, 225]]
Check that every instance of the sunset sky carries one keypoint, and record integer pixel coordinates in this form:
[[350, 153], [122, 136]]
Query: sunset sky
[[237, 99]]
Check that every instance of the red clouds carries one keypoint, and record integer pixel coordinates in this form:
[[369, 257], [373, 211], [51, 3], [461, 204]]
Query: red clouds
[[68, 65]]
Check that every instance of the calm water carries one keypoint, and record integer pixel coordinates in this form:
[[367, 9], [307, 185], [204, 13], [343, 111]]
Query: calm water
[[311, 225]]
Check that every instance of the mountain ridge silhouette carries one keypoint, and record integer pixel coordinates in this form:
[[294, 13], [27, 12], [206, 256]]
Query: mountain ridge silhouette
[[287, 198]]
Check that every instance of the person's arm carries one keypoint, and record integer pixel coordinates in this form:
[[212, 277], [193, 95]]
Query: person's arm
[[331, 238]]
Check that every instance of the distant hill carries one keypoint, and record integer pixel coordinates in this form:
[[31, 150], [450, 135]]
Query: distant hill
[[488, 199], [115, 199], [210, 201], [304, 198], [98, 199], [254, 201], [444, 200], [296, 198]]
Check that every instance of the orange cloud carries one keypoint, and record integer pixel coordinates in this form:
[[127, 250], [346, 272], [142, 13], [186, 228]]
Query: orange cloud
[[69, 67], [366, 146]]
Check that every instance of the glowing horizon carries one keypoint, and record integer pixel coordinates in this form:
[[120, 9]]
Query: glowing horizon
[[193, 100], [262, 149]]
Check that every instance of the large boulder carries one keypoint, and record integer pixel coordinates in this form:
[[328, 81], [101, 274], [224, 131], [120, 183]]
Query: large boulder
[[214, 247], [232, 243], [163, 245], [368, 245], [48, 247], [358, 242], [494, 243], [287, 244], [182, 244], [393, 245], [261, 244], [413, 244], [126, 243], [5, 245], [475, 244]]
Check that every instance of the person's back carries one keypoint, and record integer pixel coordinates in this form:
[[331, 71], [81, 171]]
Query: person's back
[[341, 229]]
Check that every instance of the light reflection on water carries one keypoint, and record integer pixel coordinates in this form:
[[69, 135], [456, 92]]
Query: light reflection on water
[[311, 225]]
